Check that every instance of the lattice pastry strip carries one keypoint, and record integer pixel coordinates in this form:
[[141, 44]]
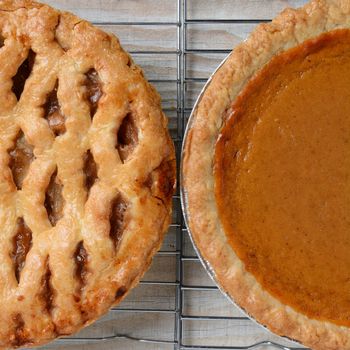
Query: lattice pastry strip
[[86, 173]]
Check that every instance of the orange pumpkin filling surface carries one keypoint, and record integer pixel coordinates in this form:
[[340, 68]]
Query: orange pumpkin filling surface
[[282, 177]]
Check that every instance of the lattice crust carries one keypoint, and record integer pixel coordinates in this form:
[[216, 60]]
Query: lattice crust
[[86, 173]]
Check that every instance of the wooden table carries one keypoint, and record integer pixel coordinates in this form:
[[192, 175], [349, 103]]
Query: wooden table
[[178, 44]]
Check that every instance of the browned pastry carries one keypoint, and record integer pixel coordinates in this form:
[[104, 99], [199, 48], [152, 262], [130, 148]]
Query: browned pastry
[[267, 174], [87, 172]]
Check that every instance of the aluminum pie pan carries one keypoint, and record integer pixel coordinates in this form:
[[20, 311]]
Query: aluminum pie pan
[[205, 263]]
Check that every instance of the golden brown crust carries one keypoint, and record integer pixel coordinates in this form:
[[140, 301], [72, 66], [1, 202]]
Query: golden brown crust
[[76, 268], [285, 31]]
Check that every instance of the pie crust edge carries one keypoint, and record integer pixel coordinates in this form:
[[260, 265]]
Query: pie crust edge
[[290, 28]]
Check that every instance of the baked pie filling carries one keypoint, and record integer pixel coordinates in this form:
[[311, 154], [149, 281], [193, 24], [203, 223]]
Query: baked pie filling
[[282, 177]]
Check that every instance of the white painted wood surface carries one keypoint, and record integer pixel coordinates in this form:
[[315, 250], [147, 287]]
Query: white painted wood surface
[[141, 39]]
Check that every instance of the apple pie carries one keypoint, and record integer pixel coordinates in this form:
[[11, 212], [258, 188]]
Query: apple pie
[[87, 173]]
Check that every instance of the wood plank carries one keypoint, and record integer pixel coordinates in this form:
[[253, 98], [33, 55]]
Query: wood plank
[[168, 91], [228, 333], [150, 297], [120, 10], [216, 36], [238, 9], [118, 344], [209, 303], [145, 37], [169, 243], [157, 66], [193, 89], [202, 65], [142, 325], [172, 122], [163, 269], [194, 274]]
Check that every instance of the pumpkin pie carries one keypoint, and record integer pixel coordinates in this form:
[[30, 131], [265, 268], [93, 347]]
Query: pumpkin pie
[[266, 170]]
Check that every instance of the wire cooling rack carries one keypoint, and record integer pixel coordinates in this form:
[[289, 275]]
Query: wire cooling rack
[[177, 306]]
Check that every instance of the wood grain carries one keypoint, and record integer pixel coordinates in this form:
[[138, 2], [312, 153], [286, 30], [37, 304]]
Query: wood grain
[[98, 11], [238, 9], [145, 37]]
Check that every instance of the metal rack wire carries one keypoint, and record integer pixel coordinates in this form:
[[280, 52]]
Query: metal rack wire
[[180, 254]]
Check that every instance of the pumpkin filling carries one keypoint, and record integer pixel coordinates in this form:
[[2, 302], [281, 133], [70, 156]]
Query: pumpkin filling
[[282, 177]]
